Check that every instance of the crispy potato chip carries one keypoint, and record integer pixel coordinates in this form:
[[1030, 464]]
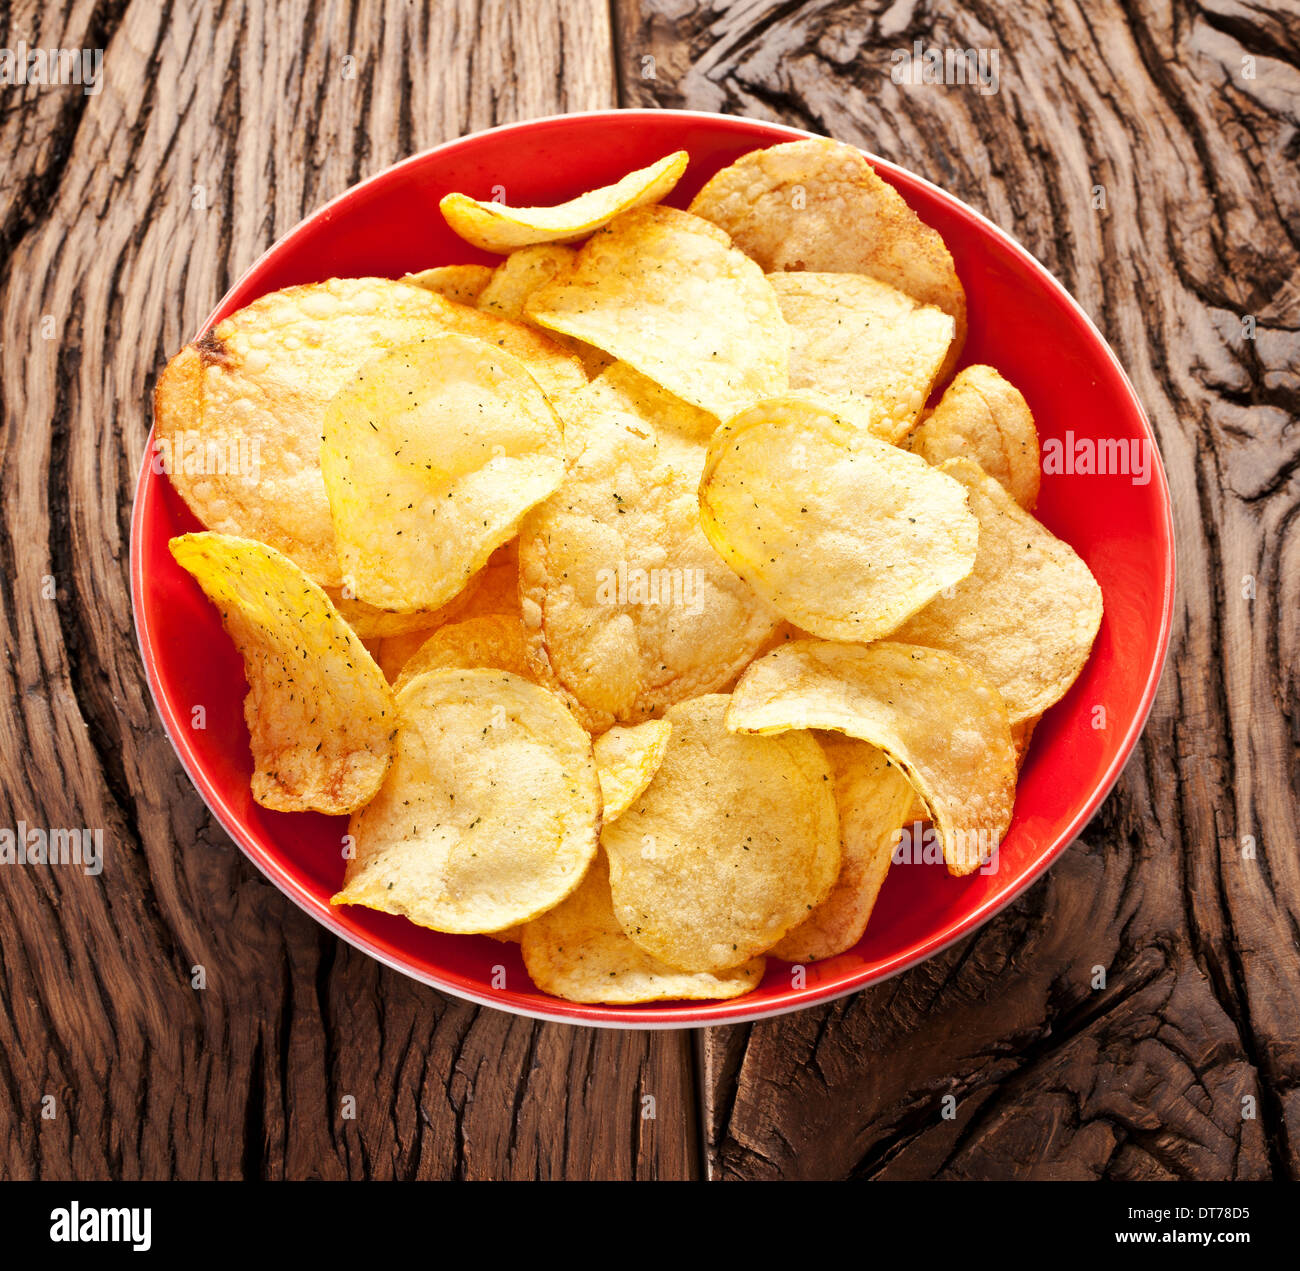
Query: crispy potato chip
[[579, 952], [734, 842], [321, 718], [490, 813], [493, 640], [873, 798], [371, 623], [819, 205], [665, 291], [983, 418], [938, 719], [431, 456], [846, 535], [494, 227], [626, 762], [520, 274], [461, 283], [856, 336], [1028, 613], [626, 605]]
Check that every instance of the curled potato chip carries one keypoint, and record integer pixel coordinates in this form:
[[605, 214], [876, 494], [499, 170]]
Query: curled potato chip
[[818, 205], [734, 842], [667, 293], [859, 337], [321, 718], [984, 418], [494, 227], [846, 535], [461, 283], [626, 606], [873, 798], [431, 455], [493, 640], [491, 810], [579, 952], [626, 762], [1027, 614], [938, 719]]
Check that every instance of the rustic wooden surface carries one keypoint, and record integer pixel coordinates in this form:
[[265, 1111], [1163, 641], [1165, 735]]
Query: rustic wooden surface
[[106, 266]]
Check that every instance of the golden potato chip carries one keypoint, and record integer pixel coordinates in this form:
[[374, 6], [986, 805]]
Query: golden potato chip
[[856, 336], [491, 810], [626, 606], [371, 623], [665, 291], [846, 535], [431, 456], [520, 274], [1027, 614], [938, 719], [873, 798], [238, 413], [626, 762], [493, 640], [734, 842], [321, 718], [579, 952], [983, 418], [461, 283], [818, 205], [497, 228]]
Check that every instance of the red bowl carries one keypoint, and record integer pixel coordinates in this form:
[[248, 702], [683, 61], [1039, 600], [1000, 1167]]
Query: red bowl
[[1021, 321]]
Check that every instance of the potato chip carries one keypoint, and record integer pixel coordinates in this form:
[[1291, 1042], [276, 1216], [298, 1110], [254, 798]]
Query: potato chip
[[1021, 735], [490, 813], [493, 640], [522, 273], [1028, 613], [431, 456], [938, 719], [818, 205], [461, 283], [873, 798], [371, 623], [983, 418], [846, 535], [626, 605], [497, 228], [578, 951], [734, 842], [321, 718], [665, 291], [626, 762], [238, 413], [862, 338]]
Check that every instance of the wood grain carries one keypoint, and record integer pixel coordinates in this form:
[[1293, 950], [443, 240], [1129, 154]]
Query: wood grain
[[124, 216], [1198, 940]]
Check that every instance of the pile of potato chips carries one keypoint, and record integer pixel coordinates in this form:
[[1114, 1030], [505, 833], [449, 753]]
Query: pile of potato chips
[[627, 595]]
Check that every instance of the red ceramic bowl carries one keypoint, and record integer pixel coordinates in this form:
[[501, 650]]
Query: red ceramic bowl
[[1021, 321]]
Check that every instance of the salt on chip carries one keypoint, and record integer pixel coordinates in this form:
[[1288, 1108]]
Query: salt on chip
[[461, 283], [431, 455], [321, 718], [578, 951], [667, 293], [857, 336], [1027, 614], [627, 607], [818, 205], [873, 798], [938, 719], [495, 227], [734, 842], [845, 534], [627, 759], [490, 813], [984, 418], [491, 639]]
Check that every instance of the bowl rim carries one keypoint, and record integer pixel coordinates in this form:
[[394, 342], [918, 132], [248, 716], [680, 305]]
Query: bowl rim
[[657, 1016]]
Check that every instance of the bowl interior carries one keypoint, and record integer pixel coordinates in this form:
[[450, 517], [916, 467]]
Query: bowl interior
[[1021, 322]]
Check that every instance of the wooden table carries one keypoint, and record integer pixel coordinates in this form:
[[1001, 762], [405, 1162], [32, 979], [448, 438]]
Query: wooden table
[[123, 218]]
